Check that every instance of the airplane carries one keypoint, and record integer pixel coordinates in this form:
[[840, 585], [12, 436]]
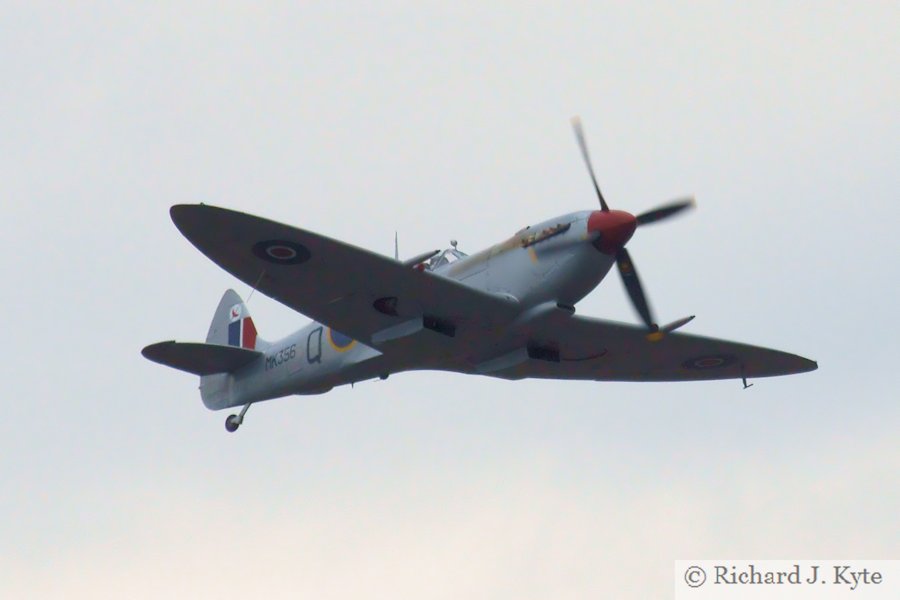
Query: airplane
[[507, 311]]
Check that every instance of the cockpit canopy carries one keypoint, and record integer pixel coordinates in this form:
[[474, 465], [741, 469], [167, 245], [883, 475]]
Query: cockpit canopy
[[447, 257]]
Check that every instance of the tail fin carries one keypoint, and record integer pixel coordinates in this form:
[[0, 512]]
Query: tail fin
[[232, 324]]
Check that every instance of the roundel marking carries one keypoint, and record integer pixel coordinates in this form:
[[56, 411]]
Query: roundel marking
[[281, 252], [339, 341], [711, 361]]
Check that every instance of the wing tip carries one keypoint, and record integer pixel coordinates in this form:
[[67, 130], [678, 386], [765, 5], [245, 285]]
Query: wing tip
[[193, 219], [180, 212], [794, 364], [800, 364]]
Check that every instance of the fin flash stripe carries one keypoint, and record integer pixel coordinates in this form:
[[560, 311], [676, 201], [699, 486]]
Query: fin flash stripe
[[242, 333]]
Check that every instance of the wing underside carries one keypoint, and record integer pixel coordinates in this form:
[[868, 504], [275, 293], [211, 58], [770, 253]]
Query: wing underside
[[594, 349], [359, 293]]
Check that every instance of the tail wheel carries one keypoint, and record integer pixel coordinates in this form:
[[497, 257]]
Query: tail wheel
[[232, 423]]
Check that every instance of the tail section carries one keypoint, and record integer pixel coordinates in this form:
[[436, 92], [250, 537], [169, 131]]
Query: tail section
[[232, 324], [231, 345]]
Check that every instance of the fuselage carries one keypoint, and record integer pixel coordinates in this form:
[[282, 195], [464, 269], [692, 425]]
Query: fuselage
[[554, 263]]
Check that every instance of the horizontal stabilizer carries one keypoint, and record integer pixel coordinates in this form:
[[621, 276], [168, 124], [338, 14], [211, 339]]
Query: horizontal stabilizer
[[200, 359]]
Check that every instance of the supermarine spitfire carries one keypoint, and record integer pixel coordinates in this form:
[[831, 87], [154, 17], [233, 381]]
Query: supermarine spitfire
[[507, 311]]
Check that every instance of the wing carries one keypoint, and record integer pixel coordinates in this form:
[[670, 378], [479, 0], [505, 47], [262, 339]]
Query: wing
[[332, 282], [584, 348]]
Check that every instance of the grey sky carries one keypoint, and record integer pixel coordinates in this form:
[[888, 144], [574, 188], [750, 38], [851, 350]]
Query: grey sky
[[444, 122]]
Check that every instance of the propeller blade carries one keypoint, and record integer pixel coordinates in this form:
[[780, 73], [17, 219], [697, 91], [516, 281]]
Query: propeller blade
[[676, 324], [665, 211], [579, 134], [634, 288]]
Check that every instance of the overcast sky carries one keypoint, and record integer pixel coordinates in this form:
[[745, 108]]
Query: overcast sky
[[439, 123]]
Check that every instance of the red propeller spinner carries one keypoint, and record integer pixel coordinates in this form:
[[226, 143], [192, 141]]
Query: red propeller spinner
[[615, 228]]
